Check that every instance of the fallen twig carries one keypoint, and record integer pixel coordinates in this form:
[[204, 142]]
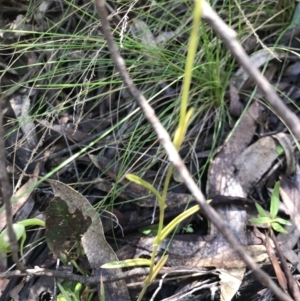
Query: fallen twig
[[37, 272], [6, 195], [292, 285]]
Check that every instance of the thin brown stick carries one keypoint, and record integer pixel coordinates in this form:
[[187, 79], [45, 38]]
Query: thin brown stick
[[174, 157], [37, 271], [137, 272], [6, 195], [292, 285], [229, 37]]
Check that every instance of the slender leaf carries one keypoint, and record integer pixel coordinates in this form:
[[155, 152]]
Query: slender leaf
[[275, 200], [158, 267], [63, 292], [260, 220], [178, 219], [277, 227], [282, 221], [151, 229], [145, 184], [77, 291], [261, 211], [4, 240], [126, 263]]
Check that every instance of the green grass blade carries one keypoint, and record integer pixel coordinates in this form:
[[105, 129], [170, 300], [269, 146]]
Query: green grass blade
[[275, 201]]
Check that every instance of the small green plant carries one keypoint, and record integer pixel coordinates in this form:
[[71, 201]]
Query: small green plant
[[69, 291], [188, 229], [149, 230], [184, 118], [20, 232], [270, 218]]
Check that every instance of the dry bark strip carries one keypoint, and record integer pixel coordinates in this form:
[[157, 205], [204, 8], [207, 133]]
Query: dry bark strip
[[97, 250]]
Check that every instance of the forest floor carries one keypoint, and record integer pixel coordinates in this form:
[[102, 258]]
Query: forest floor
[[73, 132]]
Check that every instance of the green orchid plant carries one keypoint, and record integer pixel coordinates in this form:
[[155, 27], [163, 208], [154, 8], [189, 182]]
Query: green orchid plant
[[185, 116], [270, 218], [20, 232]]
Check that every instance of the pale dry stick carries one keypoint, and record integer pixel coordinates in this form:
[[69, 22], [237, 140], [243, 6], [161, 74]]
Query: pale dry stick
[[258, 40], [37, 272], [175, 159], [229, 37], [6, 195]]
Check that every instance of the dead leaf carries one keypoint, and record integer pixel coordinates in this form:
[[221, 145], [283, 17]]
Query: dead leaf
[[24, 146], [96, 248], [14, 293], [20, 26], [278, 271], [290, 195], [21, 106], [199, 253], [64, 229], [222, 179], [254, 162], [258, 59], [230, 282], [70, 131], [288, 145], [20, 197], [292, 70], [141, 31], [43, 7], [236, 108], [225, 179]]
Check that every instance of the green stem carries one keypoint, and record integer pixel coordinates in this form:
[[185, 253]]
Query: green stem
[[194, 38], [32, 222], [158, 239], [142, 293], [179, 136]]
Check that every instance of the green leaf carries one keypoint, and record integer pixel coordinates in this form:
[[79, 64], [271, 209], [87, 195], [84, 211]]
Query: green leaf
[[127, 263], [146, 231], [158, 267], [70, 290], [279, 150], [178, 219], [63, 292], [260, 220], [20, 232], [145, 184], [282, 221], [149, 230], [188, 229], [261, 211], [77, 291], [4, 239], [275, 200], [277, 227], [32, 222]]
